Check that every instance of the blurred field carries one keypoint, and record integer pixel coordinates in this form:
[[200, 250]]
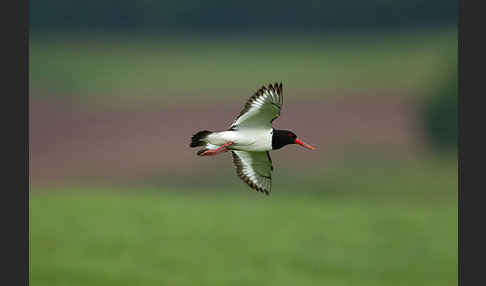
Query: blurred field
[[142, 143], [394, 225], [177, 68], [118, 198]]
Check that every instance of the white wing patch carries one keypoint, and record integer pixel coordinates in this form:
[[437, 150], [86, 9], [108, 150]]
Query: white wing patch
[[261, 109], [255, 169]]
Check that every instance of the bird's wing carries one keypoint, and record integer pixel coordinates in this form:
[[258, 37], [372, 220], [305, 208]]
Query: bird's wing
[[255, 169], [261, 109]]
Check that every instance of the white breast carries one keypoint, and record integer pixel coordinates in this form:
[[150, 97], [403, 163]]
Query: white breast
[[258, 140]]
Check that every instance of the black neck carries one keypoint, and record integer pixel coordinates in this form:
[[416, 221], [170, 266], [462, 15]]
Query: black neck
[[280, 138]]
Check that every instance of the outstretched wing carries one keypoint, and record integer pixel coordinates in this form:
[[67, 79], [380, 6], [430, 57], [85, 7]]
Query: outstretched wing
[[261, 109], [255, 169]]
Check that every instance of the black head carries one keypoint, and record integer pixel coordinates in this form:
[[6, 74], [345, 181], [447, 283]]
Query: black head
[[281, 138]]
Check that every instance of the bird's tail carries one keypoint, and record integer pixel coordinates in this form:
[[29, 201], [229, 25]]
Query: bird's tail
[[198, 138]]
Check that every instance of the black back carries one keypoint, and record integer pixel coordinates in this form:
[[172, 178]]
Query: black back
[[281, 138]]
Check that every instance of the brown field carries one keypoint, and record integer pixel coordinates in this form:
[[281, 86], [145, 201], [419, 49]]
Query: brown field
[[72, 140]]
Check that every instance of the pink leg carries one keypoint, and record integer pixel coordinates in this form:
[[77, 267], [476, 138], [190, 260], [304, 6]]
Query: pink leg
[[213, 152], [221, 149]]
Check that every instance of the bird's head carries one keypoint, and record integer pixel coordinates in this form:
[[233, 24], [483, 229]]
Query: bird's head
[[281, 138]]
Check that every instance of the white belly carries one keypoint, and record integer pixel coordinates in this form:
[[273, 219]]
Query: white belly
[[256, 140]]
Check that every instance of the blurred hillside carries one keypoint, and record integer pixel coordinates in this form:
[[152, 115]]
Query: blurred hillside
[[247, 17], [124, 66], [192, 49]]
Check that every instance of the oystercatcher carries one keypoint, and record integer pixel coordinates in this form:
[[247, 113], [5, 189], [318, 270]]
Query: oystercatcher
[[251, 137]]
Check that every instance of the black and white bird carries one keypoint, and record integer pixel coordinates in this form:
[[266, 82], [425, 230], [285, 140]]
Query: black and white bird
[[251, 137]]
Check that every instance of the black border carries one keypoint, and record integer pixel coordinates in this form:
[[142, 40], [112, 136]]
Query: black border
[[26, 138], [15, 149], [15, 118], [473, 268], [470, 205]]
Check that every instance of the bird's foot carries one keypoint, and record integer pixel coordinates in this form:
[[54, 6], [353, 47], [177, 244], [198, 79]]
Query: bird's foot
[[221, 149]]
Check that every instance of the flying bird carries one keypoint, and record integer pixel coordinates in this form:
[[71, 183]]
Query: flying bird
[[250, 137]]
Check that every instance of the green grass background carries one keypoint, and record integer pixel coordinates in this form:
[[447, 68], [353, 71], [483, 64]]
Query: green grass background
[[142, 67], [392, 227], [362, 222]]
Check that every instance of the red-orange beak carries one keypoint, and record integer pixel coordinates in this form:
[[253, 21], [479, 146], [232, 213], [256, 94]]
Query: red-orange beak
[[300, 142]]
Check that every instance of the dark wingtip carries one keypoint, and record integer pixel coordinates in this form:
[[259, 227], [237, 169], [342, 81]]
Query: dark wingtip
[[277, 86]]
